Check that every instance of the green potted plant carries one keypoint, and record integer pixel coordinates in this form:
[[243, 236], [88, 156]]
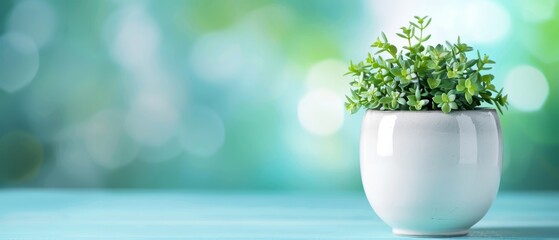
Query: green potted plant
[[430, 155]]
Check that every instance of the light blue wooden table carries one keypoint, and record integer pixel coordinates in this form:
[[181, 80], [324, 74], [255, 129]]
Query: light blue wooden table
[[133, 214]]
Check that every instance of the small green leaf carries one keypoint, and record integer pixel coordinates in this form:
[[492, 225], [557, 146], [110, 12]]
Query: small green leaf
[[385, 100], [444, 97], [405, 81], [468, 97], [487, 78], [451, 97], [453, 105], [411, 100], [426, 38], [471, 63], [427, 24], [460, 87], [384, 37], [451, 74], [472, 90], [433, 82], [396, 71], [380, 51], [474, 77], [446, 107], [392, 49], [467, 83], [437, 99]]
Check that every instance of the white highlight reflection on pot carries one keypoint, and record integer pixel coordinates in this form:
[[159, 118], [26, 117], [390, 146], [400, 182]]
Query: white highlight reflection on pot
[[321, 112], [35, 19], [19, 61], [203, 132], [385, 148], [527, 88]]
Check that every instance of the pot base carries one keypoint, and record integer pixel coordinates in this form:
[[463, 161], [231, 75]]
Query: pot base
[[409, 233]]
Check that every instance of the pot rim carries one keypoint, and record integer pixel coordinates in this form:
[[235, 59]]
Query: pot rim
[[481, 109]]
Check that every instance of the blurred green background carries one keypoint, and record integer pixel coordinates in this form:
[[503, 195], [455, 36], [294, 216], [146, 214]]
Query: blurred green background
[[240, 94]]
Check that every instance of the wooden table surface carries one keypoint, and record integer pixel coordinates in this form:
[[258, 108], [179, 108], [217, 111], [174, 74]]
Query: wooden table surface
[[149, 214]]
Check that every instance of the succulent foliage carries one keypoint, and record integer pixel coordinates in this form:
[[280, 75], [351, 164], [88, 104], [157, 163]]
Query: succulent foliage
[[422, 77]]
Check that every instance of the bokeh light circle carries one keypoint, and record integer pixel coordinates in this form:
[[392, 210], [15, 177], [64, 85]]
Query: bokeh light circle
[[537, 11], [19, 61], [328, 74], [107, 141], [321, 112], [35, 19], [73, 167], [476, 21], [152, 119], [527, 88], [221, 49], [478, 28], [134, 37], [171, 149], [203, 131]]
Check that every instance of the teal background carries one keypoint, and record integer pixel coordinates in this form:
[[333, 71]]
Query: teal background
[[240, 94]]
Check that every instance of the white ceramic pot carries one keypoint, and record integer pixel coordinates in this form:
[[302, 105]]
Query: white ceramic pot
[[428, 173]]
